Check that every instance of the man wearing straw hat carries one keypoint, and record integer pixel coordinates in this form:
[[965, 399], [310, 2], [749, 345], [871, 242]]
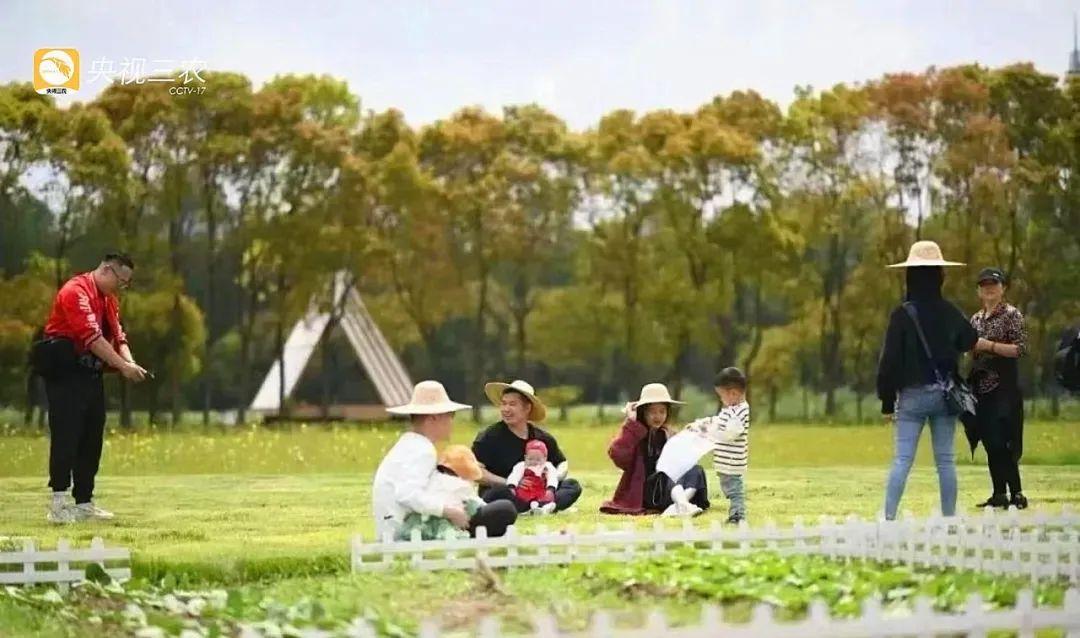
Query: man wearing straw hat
[[501, 446], [401, 482]]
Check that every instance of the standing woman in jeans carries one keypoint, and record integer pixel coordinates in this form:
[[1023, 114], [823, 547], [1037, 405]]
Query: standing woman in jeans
[[995, 378], [907, 382]]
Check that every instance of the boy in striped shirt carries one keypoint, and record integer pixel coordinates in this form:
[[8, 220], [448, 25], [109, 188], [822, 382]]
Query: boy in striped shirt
[[729, 431]]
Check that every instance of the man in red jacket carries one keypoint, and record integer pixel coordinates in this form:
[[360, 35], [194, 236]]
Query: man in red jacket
[[85, 320]]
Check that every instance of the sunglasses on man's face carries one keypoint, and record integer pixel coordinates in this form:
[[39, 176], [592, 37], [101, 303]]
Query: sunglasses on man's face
[[123, 283]]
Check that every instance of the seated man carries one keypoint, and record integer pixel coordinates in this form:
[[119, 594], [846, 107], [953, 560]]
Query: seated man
[[502, 446], [401, 485]]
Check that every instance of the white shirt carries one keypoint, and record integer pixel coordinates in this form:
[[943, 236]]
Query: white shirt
[[546, 471], [401, 483], [453, 491], [729, 431]]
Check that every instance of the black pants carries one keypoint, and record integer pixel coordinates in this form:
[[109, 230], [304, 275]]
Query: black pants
[[496, 516], [76, 431], [1000, 415], [568, 492], [657, 497]]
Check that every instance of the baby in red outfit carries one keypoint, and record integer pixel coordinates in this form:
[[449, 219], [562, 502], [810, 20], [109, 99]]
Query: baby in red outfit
[[534, 480]]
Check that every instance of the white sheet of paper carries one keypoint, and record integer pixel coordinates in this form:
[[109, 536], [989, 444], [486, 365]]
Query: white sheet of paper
[[681, 453]]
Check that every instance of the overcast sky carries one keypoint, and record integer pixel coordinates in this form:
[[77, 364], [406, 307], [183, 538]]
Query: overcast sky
[[578, 58]]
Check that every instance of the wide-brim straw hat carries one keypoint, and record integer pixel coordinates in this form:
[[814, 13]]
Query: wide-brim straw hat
[[428, 397], [925, 253], [462, 461], [654, 393], [496, 389]]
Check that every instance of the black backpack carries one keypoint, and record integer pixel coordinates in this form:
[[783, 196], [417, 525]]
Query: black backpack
[[1067, 360]]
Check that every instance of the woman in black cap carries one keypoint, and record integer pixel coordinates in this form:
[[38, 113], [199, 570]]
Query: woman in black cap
[[995, 379]]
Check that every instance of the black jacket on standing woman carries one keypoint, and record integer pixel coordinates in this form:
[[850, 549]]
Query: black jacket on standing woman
[[903, 362]]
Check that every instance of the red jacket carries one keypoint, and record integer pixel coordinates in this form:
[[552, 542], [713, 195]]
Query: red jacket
[[78, 313], [625, 451]]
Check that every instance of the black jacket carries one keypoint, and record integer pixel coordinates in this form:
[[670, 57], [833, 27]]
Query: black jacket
[[903, 362]]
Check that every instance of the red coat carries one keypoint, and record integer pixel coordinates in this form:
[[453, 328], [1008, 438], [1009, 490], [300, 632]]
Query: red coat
[[627, 454]]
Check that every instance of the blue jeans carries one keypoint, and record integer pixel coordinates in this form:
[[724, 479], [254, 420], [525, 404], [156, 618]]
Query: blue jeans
[[732, 486], [916, 405]]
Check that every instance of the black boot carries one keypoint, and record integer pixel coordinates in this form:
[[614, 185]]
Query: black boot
[[997, 501], [1019, 501]]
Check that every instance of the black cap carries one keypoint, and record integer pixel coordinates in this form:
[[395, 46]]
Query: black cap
[[991, 274]]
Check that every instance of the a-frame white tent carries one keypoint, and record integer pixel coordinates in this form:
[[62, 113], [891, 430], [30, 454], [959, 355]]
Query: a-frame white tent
[[379, 361]]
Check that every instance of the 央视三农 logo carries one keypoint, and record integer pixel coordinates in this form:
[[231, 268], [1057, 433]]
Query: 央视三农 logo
[[56, 71]]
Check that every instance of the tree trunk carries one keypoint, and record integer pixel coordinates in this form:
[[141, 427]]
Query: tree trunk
[[31, 399], [519, 329], [680, 363], [174, 381], [125, 404], [774, 395], [479, 334], [62, 243], [247, 326], [327, 364], [152, 405], [832, 369], [211, 274], [805, 404], [602, 367], [279, 341], [758, 339], [729, 342], [919, 221], [279, 344]]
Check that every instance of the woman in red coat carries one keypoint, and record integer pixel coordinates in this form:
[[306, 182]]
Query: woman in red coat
[[635, 451]]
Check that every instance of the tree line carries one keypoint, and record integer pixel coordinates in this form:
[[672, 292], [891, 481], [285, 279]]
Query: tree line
[[651, 246]]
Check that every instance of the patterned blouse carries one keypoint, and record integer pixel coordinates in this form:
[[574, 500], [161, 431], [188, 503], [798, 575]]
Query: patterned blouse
[[1004, 324]]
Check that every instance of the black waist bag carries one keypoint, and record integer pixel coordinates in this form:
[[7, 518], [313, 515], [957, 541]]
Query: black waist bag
[[53, 357]]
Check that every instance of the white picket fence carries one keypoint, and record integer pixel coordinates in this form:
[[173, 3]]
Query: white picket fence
[[919, 620], [1039, 545], [62, 565]]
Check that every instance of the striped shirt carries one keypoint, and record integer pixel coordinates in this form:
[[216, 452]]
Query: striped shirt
[[730, 434]]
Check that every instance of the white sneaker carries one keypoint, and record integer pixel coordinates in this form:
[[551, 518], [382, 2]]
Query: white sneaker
[[679, 510], [534, 508], [91, 512], [547, 508], [61, 514]]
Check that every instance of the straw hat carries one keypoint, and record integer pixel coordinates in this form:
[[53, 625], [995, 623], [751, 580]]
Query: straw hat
[[462, 461], [925, 253], [496, 389], [654, 393], [428, 397]]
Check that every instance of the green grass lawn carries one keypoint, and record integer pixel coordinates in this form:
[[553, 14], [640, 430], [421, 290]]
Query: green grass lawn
[[269, 513], [240, 504], [358, 449]]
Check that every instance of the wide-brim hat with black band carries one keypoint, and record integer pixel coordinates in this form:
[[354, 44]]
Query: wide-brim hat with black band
[[496, 389], [991, 274], [429, 397], [925, 253]]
